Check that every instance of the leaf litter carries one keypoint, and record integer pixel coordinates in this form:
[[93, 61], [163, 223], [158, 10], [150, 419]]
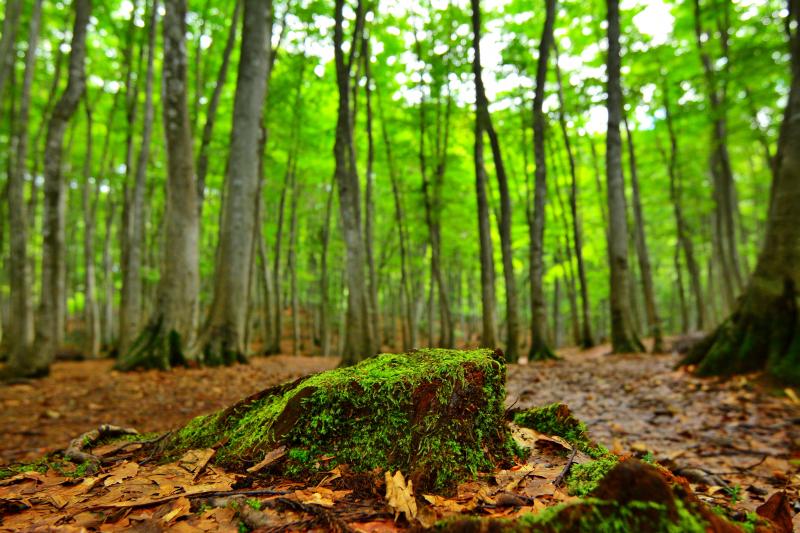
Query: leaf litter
[[735, 441]]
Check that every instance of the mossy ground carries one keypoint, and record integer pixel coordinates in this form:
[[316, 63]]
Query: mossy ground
[[437, 415], [557, 419]]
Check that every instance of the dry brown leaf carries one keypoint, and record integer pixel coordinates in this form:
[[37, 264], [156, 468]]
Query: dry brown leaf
[[791, 395], [270, 458], [400, 496], [322, 497], [120, 473], [180, 507], [195, 461]]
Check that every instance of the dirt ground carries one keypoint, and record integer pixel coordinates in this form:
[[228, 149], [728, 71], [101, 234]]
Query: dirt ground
[[736, 433]]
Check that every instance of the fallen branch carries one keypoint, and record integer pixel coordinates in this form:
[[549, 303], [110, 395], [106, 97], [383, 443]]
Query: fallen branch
[[75, 451], [563, 475]]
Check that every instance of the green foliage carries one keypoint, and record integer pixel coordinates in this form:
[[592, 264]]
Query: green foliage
[[435, 413]]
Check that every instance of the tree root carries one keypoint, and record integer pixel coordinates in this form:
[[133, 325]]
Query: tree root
[[75, 451]]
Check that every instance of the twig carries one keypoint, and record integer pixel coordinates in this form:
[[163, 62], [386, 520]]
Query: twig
[[560, 479], [250, 492], [74, 452]]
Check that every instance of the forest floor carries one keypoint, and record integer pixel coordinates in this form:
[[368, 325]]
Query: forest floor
[[737, 441]]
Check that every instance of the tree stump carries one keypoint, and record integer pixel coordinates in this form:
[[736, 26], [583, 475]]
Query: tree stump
[[437, 415]]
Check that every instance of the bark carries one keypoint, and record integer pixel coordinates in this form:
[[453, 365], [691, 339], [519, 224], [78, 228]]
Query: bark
[[408, 321], [763, 332], [108, 277], [223, 340], [721, 171], [51, 319], [292, 266], [324, 327], [586, 340], [684, 237], [358, 342], [651, 311], [131, 311], [211, 111], [169, 336], [369, 204], [489, 331], [539, 349], [623, 336], [91, 312], [20, 330], [7, 42]]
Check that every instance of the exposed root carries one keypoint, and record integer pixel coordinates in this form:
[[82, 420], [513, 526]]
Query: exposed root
[[75, 451]]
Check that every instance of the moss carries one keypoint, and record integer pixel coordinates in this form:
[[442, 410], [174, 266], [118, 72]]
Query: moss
[[51, 462], [437, 415], [584, 478], [591, 516], [557, 419]]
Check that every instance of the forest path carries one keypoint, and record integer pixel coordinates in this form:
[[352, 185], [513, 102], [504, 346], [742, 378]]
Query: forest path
[[738, 432], [746, 434]]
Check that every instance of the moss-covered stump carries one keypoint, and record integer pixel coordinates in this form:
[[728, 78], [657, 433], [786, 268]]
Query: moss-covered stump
[[436, 415], [633, 497]]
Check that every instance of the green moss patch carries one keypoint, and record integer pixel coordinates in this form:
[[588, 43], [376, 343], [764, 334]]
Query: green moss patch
[[437, 415], [584, 478]]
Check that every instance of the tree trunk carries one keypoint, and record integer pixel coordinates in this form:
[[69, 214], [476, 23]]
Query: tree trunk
[[539, 349], [292, 266], [623, 336], [20, 317], [358, 342], [324, 327], [108, 278], [223, 339], [764, 330], [7, 42], [369, 204], [721, 171], [651, 311], [168, 338], [489, 332], [586, 341], [51, 320], [130, 311], [213, 105], [91, 313], [408, 328], [684, 238]]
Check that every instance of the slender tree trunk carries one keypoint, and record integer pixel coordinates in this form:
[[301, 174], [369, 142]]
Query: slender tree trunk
[[586, 341], [292, 266], [223, 339], [684, 238], [408, 329], [168, 339], [623, 336], [91, 313], [213, 105], [721, 171], [108, 277], [20, 317], [51, 320], [764, 330], [358, 342], [325, 334], [651, 311], [7, 42], [539, 349], [131, 310], [369, 203], [489, 333]]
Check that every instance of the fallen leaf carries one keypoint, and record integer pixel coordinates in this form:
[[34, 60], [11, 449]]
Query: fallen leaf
[[270, 458], [122, 472], [400, 496]]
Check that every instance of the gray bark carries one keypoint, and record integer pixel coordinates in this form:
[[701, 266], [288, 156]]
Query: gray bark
[[623, 336], [224, 337], [20, 330], [51, 319]]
